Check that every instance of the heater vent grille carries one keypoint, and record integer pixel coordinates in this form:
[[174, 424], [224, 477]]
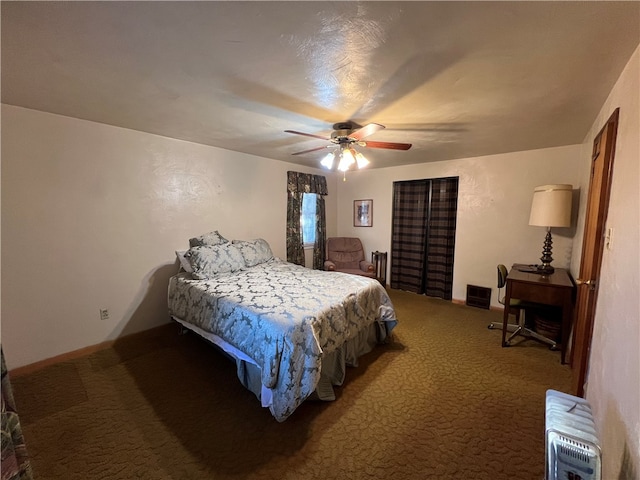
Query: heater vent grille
[[478, 296], [572, 448]]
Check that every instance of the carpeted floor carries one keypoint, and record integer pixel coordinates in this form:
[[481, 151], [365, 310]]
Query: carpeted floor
[[443, 401]]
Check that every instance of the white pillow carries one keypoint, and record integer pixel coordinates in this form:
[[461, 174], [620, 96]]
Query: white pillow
[[208, 261], [255, 251], [184, 261]]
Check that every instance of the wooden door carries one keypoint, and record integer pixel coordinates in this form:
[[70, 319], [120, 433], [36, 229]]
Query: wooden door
[[592, 248]]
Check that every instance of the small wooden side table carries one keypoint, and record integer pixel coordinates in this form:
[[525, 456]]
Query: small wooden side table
[[556, 289], [379, 260]]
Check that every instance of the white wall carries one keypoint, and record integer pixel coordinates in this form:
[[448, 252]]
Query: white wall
[[92, 215], [494, 201], [613, 383]]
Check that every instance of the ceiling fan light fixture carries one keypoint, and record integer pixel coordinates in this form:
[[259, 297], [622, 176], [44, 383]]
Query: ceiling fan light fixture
[[327, 161], [343, 165], [345, 137], [361, 160], [346, 159]]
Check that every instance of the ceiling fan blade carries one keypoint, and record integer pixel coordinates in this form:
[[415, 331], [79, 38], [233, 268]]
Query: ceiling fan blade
[[307, 134], [365, 131], [312, 150], [389, 145]]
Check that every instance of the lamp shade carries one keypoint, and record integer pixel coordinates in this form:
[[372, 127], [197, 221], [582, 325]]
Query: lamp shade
[[551, 206]]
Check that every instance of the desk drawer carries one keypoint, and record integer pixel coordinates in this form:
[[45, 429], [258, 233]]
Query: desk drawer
[[531, 292]]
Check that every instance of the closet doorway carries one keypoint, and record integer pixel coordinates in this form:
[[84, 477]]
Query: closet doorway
[[423, 236]]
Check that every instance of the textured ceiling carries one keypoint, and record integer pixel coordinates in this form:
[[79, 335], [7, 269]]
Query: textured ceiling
[[455, 79]]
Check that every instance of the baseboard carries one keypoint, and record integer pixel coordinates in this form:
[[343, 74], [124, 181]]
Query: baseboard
[[81, 352], [64, 357]]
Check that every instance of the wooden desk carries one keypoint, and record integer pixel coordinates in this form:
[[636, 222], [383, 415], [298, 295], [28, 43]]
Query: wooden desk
[[556, 289]]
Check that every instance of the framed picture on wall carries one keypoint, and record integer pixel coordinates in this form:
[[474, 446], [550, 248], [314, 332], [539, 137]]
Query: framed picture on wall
[[363, 213]]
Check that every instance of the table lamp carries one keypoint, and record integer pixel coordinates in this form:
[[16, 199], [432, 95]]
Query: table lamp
[[551, 207]]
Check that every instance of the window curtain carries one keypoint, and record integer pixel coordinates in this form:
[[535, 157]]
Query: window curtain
[[319, 250], [423, 236], [297, 185]]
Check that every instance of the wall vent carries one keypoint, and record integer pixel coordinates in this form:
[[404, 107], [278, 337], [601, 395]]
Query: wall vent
[[478, 296]]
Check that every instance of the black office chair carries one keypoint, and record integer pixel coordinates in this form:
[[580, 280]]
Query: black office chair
[[518, 308]]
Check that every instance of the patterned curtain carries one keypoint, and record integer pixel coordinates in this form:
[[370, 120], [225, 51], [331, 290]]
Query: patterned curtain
[[423, 236], [319, 250], [408, 235], [15, 461], [297, 185]]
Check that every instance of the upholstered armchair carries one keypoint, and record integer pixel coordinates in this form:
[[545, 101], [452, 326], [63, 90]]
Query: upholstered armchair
[[345, 254]]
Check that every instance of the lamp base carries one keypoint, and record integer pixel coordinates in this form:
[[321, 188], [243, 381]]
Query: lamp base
[[545, 269], [546, 258]]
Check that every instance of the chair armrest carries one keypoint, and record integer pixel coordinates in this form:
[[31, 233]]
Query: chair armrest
[[329, 265], [366, 266]]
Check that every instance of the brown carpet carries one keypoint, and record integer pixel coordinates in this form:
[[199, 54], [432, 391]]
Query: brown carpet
[[444, 401]]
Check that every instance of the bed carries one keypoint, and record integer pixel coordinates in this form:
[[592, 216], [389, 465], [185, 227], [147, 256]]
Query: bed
[[290, 329]]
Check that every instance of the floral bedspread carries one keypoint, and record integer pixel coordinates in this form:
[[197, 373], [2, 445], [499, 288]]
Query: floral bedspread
[[284, 317]]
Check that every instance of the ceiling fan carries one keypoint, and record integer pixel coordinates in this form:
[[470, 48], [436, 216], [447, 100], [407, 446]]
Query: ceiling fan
[[345, 136]]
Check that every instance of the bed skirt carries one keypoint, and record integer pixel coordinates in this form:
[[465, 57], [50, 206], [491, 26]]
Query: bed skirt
[[333, 368]]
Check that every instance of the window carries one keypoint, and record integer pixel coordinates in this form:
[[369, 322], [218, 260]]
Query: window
[[308, 219]]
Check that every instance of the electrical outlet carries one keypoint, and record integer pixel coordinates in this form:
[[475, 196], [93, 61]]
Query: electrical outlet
[[104, 314]]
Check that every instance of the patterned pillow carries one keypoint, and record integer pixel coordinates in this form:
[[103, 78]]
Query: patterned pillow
[[254, 251], [211, 238], [207, 261]]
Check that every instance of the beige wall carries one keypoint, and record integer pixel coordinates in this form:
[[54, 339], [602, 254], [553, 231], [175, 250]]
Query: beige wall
[[92, 215], [494, 201], [613, 383]]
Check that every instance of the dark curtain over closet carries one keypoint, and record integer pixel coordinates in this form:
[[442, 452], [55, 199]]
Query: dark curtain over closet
[[423, 236]]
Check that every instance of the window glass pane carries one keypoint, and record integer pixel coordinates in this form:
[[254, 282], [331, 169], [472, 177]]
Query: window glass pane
[[308, 218]]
